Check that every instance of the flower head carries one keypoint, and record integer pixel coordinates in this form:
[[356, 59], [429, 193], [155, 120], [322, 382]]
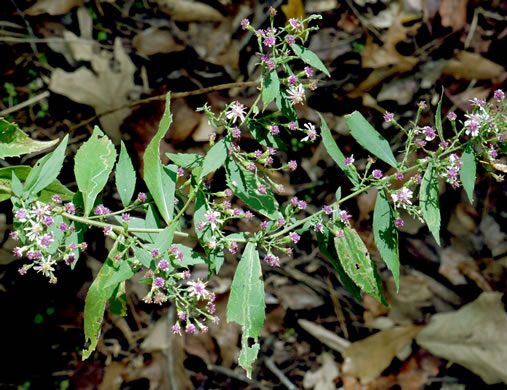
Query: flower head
[[349, 160], [211, 217], [402, 197], [294, 237], [377, 174], [296, 94], [198, 289], [293, 165], [388, 116], [245, 23], [499, 95], [237, 110]]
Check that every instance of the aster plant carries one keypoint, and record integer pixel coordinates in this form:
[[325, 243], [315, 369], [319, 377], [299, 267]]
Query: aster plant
[[50, 221]]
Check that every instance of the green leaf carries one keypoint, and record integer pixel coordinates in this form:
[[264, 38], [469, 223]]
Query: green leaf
[[326, 246], [190, 257], [14, 142], [369, 138], [200, 210], [160, 182], [285, 106], [94, 162], [46, 170], [244, 184], [186, 160], [144, 257], [428, 199], [386, 235], [357, 264], [335, 152], [102, 288], [438, 117], [338, 194], [17, 187], [214, 159], [264, 136], [125, 176], [246, 304], [271, 88], [216, 260], [310, 58], [467, 171], [164, 239]]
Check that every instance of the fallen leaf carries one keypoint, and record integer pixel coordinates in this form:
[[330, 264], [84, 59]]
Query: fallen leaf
[[52, 7], [408, 303], [450, 261], [324, 378], [367, 358], [298, 297], [453, 13], [475, 337], [469, 66], [103, 89], [156, 40], [493, 235], [189, 11], [325, 336], [400, 91]]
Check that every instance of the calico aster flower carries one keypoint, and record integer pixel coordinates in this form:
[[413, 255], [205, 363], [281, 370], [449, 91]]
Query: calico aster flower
[[45, 266], [198, 289], [237, 110], [296, 94], [402, 197]]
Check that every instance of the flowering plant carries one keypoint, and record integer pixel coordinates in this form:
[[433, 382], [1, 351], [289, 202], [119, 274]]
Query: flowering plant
[[50, 221]]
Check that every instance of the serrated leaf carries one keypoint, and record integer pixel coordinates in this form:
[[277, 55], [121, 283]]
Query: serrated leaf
[[95, 303], [369, 138], [386, 235], [264, 137], [125, 176], [244, 184], [356, 262], [214, 159], [310, 58], [186, 160], [46, 170], [438, 117], [246, 304], [335, 152], [467, 171], [14, 142], [428, 199], [160, 181], [271, 88], [326, 247], [94, 162]]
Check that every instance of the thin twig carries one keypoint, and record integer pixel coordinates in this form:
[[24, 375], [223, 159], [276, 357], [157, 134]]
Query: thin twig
[[275, 370], [28, 27], [24, 104]]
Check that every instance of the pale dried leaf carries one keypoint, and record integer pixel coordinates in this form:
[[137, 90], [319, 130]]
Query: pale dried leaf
[[367, 358], [103, 89], [475, 336], [156, 40], [52, 7], [298, 297], [325, 336], [450, 261], [158, 337], [453, 13], [469, 66], [324, 378], [189, 11]]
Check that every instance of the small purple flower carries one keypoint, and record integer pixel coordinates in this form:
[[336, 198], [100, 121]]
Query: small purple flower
[[280, 221], [180, 172], [318, 227], [443, 145], [212, 136], [327, 209], [417, 179], [182, 315], [293, 125], [155, 252], [275, 130], [271, 151], [344, 216], [34, 255], [452, 116], [211, 307], [159, 282], [388, 117], [292, 80], [493, 153], [294, 23], [48, 221], [264, 225], [294, 201], [163, 265], [290, 39], [83, 246], [63, 227], [187, 275], [101, 210], [248, 215], [107, 230], [233, 247], [125, 217], [398, 176], [46, 240], [245, 23], [262, 189], [236, 132], [179, 256], [272, 260], [176, 201], [236, 212], [308, 71], [200, 226], [228, 192], [72, 247], [477, 102], [21, 215], [292, 165], [420, 143], [349, 160], [190, 329], [14, 235], [501, 137], [258, 154], [70, 259], [429, 133], [251, 167], [55, 198], [141, 196], [499, 95], [226, 204], [22, 271], [377, 174], [269, 41], [70, 208], [399, 222], [17, 252], [302, 204], [340, 234], [294, 237], [176, 329]]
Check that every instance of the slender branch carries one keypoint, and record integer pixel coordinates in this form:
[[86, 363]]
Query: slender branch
[[24, 104]]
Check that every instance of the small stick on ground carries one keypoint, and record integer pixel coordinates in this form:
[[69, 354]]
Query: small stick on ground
[[275, 370]]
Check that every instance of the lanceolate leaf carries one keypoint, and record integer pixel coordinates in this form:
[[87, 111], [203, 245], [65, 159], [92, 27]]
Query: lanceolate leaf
[[46, 170], [310, 58], [214, 159], [94, 162], [200, 211], [468, 171], [15, 142], [125, 176], [285, 106], [161, 182], [102, 288], [369, 138], [428, 199], [243, 184], [335, 152], [246, 304], [271, 88], [264, 136], [438, 117], [357, 264], [326, 246], [186, 160], [386, 235]]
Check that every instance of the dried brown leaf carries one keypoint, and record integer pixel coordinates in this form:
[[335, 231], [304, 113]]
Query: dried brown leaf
[[453, 13], [189, 11], [52, 7], [324, 378], [469, 66], [156, 40]]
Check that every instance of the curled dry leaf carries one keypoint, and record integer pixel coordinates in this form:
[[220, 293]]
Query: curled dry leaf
[[324, 378], [52, 7], [189, 11], [104, 89], [475, 336], [156, 40], [367, 358]]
